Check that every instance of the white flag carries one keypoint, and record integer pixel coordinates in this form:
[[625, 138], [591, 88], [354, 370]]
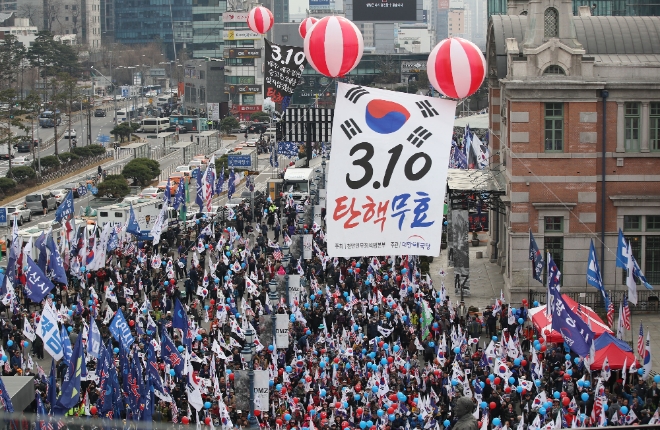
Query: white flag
[[28, 331], [157, 229]]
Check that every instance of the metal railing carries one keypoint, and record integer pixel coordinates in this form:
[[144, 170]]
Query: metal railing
[[72, 168]]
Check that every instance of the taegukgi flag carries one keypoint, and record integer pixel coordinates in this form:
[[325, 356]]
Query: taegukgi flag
[[387, 194]]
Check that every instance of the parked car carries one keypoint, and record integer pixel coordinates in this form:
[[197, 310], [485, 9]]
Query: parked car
[[194, 164], [151, 193], [120, 98], [33, 201], [257, 127], [24, 146], [99, 112], [23, 214], [60, 195], [251, 142], [184, 169], [21, 161], [69, 135], [234, 202]]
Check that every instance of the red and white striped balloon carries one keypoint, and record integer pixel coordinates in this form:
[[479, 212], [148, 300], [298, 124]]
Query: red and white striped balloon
[[334, 46], [260, 19], [305, 25], [456, 67]]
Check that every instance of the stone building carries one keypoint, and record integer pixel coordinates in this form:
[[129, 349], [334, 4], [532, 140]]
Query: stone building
[[575, 137]]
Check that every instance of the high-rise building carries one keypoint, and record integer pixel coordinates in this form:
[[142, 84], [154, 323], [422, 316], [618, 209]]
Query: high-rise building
[[207, 28], [81, 18], [281, 10], [243, 55], [140, 22], [107, 21]]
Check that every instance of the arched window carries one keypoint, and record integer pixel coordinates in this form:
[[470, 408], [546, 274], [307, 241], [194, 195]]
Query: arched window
[[551, 22], [554, 70]]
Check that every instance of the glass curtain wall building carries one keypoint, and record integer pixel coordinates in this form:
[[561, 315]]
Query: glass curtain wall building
[[207, 28], [141, 22]]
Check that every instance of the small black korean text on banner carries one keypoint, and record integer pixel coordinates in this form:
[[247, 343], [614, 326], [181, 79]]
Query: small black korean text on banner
[[284, 67]]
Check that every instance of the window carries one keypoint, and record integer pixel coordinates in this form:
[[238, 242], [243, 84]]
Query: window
[[631, 126], [654, 121], [652, 223], [632, 223], [554, 127], [555, 246], [554, 224], [652, 256], [554, 70], [551, 22]]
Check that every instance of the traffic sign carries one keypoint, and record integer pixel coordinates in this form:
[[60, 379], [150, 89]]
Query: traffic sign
[[3, 217]]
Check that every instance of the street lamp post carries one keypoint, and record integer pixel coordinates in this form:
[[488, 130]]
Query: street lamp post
[[274, 301], [114, 97], [323, 166], [248, 356]]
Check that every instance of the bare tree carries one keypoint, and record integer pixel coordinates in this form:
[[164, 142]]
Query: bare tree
[[52, 15], [32, 12]]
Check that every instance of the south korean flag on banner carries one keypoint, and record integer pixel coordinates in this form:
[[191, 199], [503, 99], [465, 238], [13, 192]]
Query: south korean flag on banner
[[392, 185]]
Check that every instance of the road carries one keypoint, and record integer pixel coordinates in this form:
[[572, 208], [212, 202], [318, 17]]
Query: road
[[100, 126], [167, 163]]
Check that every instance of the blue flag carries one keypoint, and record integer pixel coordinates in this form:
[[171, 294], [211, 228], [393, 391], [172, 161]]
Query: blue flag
[[70, 395], [134, 384], [41, 412], [220, 182], [113, 242], [6, 398], [576, 333], [170, 354], [621, 258], [37, 285], [536, 257], [152, 369], [637, 271], [179, 197], [94, 340], [65, 208], [121, 331], [168, 192], [55, 264], [231, 186], [52, 384], [593, 273], [180, 320], [199, 197], [66, 345], [40, 244], [133, 226]]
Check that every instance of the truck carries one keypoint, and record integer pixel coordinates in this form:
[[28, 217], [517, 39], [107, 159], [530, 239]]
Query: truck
[[146, 211], [296, 182]]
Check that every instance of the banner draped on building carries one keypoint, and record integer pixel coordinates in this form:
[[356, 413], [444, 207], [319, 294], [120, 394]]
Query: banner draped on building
[[283, 68]]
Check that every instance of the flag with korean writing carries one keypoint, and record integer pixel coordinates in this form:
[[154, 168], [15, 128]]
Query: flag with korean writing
[[387, 198], [37, 285]]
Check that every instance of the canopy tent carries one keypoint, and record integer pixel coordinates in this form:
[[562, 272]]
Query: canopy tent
[[543, 324], [616, 350]]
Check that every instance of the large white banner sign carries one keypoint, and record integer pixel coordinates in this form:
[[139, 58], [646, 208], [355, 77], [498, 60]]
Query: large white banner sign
[[386, 197], [282, 331]]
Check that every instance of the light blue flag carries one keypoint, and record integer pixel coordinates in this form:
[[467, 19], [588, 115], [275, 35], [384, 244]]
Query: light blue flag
[[94, 340], [37, 285], [65, 208], [133, 226], [66, 345]]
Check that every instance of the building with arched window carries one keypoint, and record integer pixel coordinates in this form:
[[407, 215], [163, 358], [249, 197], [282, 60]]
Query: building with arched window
[[574, 107]]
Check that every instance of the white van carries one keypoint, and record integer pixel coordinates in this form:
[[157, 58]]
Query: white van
[[163, 100], [155, 125]]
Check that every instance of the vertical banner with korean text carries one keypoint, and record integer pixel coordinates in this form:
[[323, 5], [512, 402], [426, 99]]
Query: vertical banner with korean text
[[387, 198], [283, 68]]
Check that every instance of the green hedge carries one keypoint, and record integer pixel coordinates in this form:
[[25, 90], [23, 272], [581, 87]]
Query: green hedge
[[22, 173], [6, 184]]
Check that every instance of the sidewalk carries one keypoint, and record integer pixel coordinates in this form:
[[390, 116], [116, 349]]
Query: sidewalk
[[486, 281]]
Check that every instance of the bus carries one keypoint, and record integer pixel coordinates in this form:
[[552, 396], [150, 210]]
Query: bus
[[151, 88], [124, 114], [151, 125], [189, 122], [49, 118]]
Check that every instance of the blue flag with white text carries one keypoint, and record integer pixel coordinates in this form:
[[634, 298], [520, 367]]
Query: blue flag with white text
[[70, 395], [37, 285], [593, 273], [55, 264], [66, 345], [171, 355], [621, 258], [179, 196], [576, 333], [40, 244], [6, 398], [120, 330], [199, 197], [536, 257], [94, 340], [65, 208]]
